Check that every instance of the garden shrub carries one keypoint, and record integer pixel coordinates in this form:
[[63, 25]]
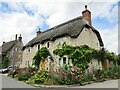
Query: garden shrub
[[114, 72], [41, 76], [22, 77], [67, 75], [51, 81], [87, 77], [25, 73], [101, 75], [13, 72], [22, 73]]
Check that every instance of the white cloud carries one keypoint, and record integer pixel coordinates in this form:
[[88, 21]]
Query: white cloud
[[58, 12], [110, 38], [18, 23]]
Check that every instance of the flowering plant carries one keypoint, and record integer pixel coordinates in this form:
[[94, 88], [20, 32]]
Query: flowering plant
[[67, 75]]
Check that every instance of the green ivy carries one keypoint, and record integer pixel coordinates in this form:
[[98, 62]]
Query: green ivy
[[103, 54], [80, 55], [41, 53]]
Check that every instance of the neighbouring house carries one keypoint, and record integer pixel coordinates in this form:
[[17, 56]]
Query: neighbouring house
[[13, 51], [75, 32]]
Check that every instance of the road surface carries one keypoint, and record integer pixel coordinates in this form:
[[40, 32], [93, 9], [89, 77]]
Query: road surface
[[8, 82]]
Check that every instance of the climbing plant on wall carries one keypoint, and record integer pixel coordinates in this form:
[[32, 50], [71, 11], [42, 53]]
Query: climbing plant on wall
[[80, 55], [103, 55], [41, 53]]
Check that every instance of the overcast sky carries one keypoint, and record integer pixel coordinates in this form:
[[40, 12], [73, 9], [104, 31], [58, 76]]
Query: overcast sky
[[18, 17]]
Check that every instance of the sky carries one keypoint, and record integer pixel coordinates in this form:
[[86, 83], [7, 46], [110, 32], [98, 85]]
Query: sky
[[26, 17]]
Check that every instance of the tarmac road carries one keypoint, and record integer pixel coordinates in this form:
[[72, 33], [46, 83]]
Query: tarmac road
[[8, 82]]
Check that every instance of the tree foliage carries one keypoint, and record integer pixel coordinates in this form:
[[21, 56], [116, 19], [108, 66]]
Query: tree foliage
[[5, 61], [119, 59]]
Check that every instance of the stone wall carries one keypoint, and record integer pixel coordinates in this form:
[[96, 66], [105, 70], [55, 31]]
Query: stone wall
[[15, 54]]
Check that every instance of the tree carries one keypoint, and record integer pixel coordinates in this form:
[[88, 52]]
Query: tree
[[5, 61], [118, 59], [103, 55]]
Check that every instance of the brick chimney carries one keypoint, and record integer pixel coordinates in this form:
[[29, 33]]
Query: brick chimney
[[38, 32], [20, 38], [86, 15]]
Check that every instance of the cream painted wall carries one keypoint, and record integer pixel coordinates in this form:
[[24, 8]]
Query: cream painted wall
[[28, 56], [87, 37]]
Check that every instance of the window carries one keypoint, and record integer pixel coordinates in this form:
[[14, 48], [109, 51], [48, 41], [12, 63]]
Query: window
[[38, 47], [98, 62], [28, 49], [28, 63], [48, 44], [16, 49], [97, 43], [85, 29], [64, 60], [25, 62], [59, 61]]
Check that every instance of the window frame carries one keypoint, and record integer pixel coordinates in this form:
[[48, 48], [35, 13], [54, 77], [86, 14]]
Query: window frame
[[64, 60], [38, 46], [48, 44]]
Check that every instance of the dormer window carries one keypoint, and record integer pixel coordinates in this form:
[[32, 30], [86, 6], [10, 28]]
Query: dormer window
[[48, 44]]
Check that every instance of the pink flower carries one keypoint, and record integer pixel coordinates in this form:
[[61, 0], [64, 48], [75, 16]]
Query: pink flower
[[52, 73], [72, 74], [72, 69], [27, 70], [76, 77], [59, 69], [62, 73]]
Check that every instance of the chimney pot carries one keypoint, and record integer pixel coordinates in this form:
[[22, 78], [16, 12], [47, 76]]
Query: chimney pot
[[20, 38], [16, 37], [38, 32], [86, 7], [3, 42]]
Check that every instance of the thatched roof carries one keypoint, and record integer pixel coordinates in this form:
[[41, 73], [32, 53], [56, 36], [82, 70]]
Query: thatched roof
[[8, 45], [71, 28]]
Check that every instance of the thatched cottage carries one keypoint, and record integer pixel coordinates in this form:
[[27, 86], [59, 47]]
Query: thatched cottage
[[76, 32]]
